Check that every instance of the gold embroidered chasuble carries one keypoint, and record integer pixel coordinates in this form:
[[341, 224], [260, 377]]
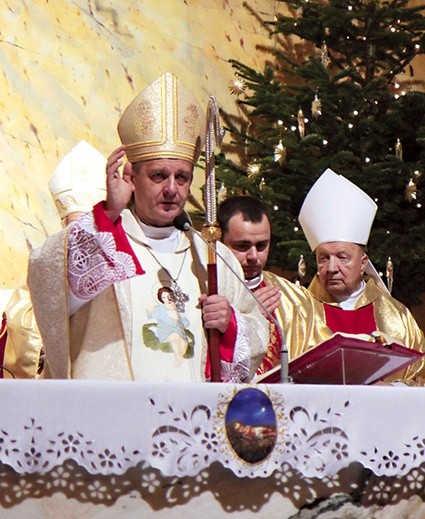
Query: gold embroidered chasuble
[[294, 314], [98, 342], [392, 319], [301, 314], [24, 344]]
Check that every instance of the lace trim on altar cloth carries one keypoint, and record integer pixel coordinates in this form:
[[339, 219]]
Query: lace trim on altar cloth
[[93, 261], [358, 495], [254, 431], [187, 439], [238, 370]]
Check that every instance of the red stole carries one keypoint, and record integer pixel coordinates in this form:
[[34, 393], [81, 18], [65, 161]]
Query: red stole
[[272, 356], [357, 321]]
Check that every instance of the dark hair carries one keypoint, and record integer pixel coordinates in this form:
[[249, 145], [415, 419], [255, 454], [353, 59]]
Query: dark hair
[[164, 290], [251, 209]]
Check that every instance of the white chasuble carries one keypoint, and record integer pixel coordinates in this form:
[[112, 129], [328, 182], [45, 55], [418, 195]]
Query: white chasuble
[[166, 340], [167, 333], [133, 327]]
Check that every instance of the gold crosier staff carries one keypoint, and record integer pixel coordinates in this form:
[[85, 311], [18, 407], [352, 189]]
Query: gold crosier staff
[[210, 230]]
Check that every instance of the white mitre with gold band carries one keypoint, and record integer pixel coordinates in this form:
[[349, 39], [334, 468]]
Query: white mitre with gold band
[[335, 209], [79, 180], [163, 121]]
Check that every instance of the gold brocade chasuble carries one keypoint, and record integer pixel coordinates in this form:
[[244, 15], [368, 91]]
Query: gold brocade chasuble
[[392, 319], [301, 314], [294, 313]]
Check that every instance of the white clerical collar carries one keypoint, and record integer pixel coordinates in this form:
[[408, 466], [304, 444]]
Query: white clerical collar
[[254, 282], [350, 302], [161, 239]]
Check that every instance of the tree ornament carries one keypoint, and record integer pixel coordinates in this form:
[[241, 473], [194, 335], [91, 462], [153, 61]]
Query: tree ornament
[[398, 149], [262, 184], [325, 55], [390, 274], [301, 123], [302, 267], [237, 86], [222, 193], [316, 106], [411, 191], [280, 153], [371, 50], [253, 169]]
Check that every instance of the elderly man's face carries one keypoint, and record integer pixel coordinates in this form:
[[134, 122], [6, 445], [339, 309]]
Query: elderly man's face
[[340, 267], [161, 188], [250, 242]]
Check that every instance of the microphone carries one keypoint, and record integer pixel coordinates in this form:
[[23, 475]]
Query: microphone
[[182, 223]]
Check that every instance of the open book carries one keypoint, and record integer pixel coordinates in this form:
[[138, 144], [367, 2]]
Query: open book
[[346, 359]]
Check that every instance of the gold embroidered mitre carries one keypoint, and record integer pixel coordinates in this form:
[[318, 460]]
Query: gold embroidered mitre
[[163, 121], [79, 180]]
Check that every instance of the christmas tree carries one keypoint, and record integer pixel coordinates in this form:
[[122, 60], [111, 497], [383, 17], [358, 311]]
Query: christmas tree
[[337, 91]]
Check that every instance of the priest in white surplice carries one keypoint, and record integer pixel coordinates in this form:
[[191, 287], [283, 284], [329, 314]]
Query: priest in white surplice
[[121, 294]]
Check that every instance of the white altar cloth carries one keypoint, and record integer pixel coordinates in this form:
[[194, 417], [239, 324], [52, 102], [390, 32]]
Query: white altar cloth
[[181, 429]]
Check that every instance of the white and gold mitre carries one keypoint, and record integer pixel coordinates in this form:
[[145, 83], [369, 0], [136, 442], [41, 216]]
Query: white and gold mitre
[[163, 121], [79, 180], [335, 209]]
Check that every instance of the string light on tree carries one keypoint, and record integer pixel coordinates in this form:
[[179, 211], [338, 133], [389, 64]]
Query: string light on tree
[[416, 175]]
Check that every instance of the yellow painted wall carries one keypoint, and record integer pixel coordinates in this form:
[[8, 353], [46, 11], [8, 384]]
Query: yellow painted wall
[[68, 69]]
